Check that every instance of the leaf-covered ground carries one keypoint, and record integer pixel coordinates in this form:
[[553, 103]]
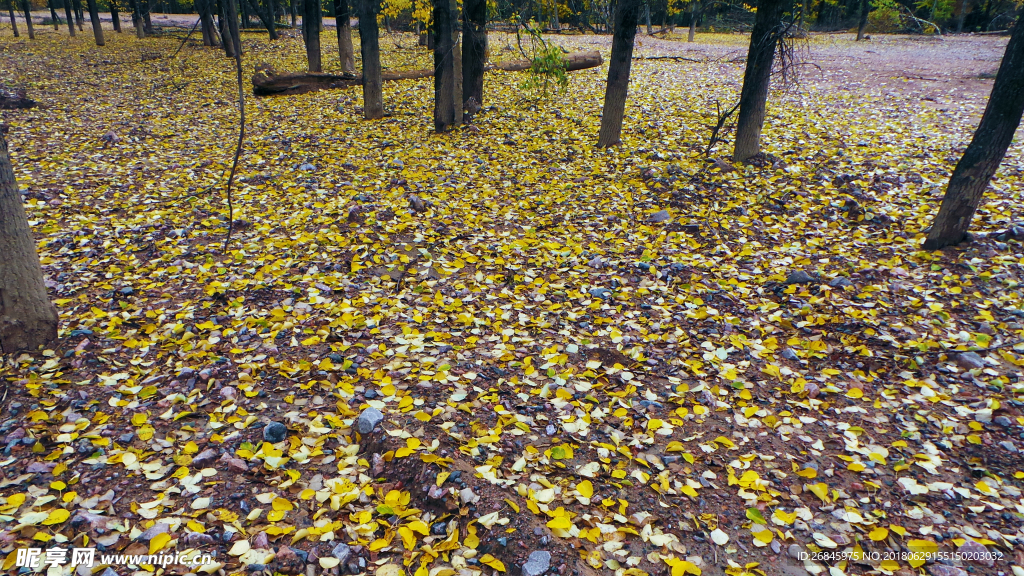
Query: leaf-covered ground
[[637, 359]]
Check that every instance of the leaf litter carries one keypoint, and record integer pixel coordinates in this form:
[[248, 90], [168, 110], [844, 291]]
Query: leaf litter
[[491, 351]]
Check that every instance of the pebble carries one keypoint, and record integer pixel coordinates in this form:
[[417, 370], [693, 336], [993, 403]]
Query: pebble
[[944, 570], [789, 354], [799, 277], [660, 216], [204, 458], [970, 361], [1008, 446], [976, 552], [840, 282], [368, 420], [794, 551], [602, 293], [275, 432], [1003, 421], [307, 167], [537, 563]]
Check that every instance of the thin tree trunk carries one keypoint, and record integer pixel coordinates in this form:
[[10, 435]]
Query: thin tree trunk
[[97, 26], [53, 16], [27, 318], [627, 14], [980, 161], [14, 23], [803, 14], [311, 33], [210, 36], [243, 6], [115, 16], [140, 30], [694, 14], [266, 16], [147, 19], [70, 17], [294, 10], [79, 15], [28, 19], [447, 111], [764, 39], [647, 16], [556, 24], [474, 49], [343, 26], [369, 49], [227, 34], [960, 17], [865, 7]]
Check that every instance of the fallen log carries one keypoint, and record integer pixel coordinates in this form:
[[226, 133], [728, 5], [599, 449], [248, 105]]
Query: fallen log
[[15, 100], [267, 82]]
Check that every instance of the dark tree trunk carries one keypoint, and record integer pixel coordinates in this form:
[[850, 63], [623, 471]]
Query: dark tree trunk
[[79, 15], [447, 95], [115, 16], [960, 16], [764, 39], [311, 33], [27, 318], [209, 26], [28, 19], [986, 150], [14, 23], [137, 18], [343, 24], [53, 16], [647, 16], [694, 14], [294, 10], [97, 26], [243, 6], [865, 7], [627, 14], [266, 15], [229, 37], [369, 49], [474, 49], [147, 20], [70, 17]]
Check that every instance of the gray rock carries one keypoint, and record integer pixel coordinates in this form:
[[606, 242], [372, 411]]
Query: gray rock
[[537, 564], [976, 553], [660, 216], [275, 432], [1003, 421], [1008, 446], [467, 496], [789, 354], [40, 467], [205, 458], [800, 277], [342, 552], [970, 361], [795, 551], [596, 262], [108, 572], [776, 547], [368, 420], [154, 531], [307, 167], [602, 293], [840, 282], [944, 570], [416, 204]]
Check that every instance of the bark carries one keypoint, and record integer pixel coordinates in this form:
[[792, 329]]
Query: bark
[[627, 13], [647, 16], [294, 11], [343, 25], [369, 49], [266, 16], [70, 17], [27, 318], [447, 102], [28, 19], [229, 37], [79, 15], [53, 16], [14, 23], [986, 151], [147, 20], [865, 6], [205, 21], [140, 31], [267, 82], [960, 16], [97, 26], [764, 39], [474, 49], [694, 14], [115, 16], [311, 33]]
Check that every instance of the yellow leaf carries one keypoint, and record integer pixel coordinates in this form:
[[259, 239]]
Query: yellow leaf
[[158, 542], [809, 473], [492, 562], [922, 546], [879, 534], [560, 523], [56, 516], [585, 488], [820, 490]]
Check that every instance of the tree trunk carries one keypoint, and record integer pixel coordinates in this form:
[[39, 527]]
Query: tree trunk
[[79, 15], [764, 38], [474, 49], [27, 318], [343, 26], [311, 33], [228, 36], [960, 17], [647, 16], [555, 23], [28, 19], [865, 6], [70, 17], [627, 13], [243, 6], [294, 11], [986, 150], [369, 49], [694, 14], [140, 30], [803, 14], [53, 16], [97, 26], [447, 105], [115, 16], [204, 21], [147, 20], [266, 16], [14, 23]]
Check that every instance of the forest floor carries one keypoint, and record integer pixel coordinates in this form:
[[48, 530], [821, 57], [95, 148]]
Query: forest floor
[[639, 360]]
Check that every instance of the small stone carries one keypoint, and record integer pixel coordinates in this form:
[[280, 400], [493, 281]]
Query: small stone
[[234, 464], [602, 293], [795, 551], [416, 204], [1003, 421], [776, 547], [467, 496], [596, 262], [537, 563], [127, 438], [789, 354], [970, 361], [127, 291], [550, 430], [204, 458], [944, 570], [261, 541], [800, 277], [976, 552], [228, 393], [275, 432], [1008, 446], [154, 531], [342, 552], [368, 420], [660, 216], [986, 328], [40, 467], [307, 167], [840, 282]]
